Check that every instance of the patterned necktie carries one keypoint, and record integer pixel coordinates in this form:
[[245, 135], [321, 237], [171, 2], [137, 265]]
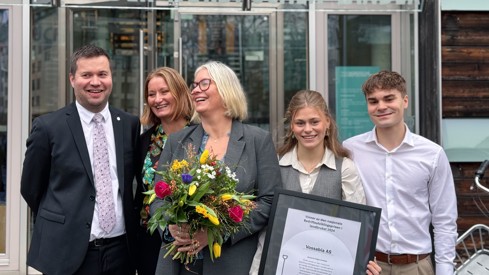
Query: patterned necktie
[[103, 184]]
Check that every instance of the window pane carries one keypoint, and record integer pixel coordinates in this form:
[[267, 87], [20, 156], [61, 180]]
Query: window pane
[[295, 54], [242, 43], [45, 63], [358, 45]]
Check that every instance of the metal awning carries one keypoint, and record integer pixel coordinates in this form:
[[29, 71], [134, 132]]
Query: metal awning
[[350, 5]]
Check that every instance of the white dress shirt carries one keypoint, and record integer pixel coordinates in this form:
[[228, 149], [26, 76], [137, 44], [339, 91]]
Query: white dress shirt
[[88, 126], [413, 184], [351, 185]]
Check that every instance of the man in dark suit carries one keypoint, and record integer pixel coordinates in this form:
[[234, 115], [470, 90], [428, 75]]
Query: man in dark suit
[[60, 178]]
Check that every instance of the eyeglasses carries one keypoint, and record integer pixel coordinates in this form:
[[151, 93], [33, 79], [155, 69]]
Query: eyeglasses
[[204, 84]]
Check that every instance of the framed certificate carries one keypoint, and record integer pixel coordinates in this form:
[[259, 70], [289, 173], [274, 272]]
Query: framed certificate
[[314, 235]]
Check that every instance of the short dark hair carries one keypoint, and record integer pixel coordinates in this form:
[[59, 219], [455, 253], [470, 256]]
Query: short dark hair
[[86, 51], [385, 80]]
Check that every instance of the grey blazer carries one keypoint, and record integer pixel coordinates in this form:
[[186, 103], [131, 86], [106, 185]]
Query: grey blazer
[[328, 182], [251, 154]]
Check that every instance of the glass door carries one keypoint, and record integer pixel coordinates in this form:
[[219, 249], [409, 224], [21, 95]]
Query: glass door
[[352, 46], [240, 41], [358, 46]]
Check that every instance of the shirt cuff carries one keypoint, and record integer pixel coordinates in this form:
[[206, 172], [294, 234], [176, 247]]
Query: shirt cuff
[[445, 268], [167, 237]]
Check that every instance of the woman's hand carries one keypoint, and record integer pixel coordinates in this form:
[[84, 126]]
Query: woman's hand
[[180, 232], [186, 243], [373, 268], [197, 242]]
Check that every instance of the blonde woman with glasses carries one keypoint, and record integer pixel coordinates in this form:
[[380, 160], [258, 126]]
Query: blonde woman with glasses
[[220, 106]]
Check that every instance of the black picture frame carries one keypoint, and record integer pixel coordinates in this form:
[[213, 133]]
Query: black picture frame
[[365, 219]]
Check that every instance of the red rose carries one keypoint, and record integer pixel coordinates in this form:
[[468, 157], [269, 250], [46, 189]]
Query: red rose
[[236, 213], [162, 189]]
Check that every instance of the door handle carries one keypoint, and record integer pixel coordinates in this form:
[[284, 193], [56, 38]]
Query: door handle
[[142, 50], [180, 57]]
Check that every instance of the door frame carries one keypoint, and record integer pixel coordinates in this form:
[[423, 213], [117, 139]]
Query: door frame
[[16, 222]]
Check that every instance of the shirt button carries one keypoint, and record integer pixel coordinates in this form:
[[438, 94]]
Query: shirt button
[[92, 198], [88, 225]]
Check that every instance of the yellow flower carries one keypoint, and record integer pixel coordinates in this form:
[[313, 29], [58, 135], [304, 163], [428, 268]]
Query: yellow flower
[[213, 219], [201, 210], [245, 201], [217, 250], [204, 156], [179, 165], [191, 189], [152, 198], [226, 197]]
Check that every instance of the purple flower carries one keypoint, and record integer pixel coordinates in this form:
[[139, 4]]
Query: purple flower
[[187, 178]]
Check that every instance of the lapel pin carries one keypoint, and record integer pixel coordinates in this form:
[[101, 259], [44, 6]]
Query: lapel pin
[[118, 118]]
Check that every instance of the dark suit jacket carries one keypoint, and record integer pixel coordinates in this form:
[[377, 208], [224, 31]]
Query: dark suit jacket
[[251, 155], [57, 184]]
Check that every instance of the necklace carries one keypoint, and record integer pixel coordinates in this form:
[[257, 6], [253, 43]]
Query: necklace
[[309, 166]]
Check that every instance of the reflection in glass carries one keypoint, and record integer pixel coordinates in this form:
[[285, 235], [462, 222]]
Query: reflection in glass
[[242, 43], [359, 40], [466, 139], [359, 43], [4, 31], [117, 31], [44, 61], [295, 54]]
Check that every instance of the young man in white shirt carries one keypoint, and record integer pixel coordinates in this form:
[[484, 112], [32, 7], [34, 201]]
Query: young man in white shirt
[[409, 177]]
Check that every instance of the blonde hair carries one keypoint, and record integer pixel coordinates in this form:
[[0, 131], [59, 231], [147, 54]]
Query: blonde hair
[[229, 88], [178, 89], [313, 99]]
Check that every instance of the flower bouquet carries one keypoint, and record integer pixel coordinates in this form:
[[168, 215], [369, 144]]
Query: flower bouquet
[[201, 192]]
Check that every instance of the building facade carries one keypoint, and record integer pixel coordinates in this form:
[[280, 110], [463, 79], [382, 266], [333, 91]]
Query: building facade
[[276, 47], [465, 97]]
